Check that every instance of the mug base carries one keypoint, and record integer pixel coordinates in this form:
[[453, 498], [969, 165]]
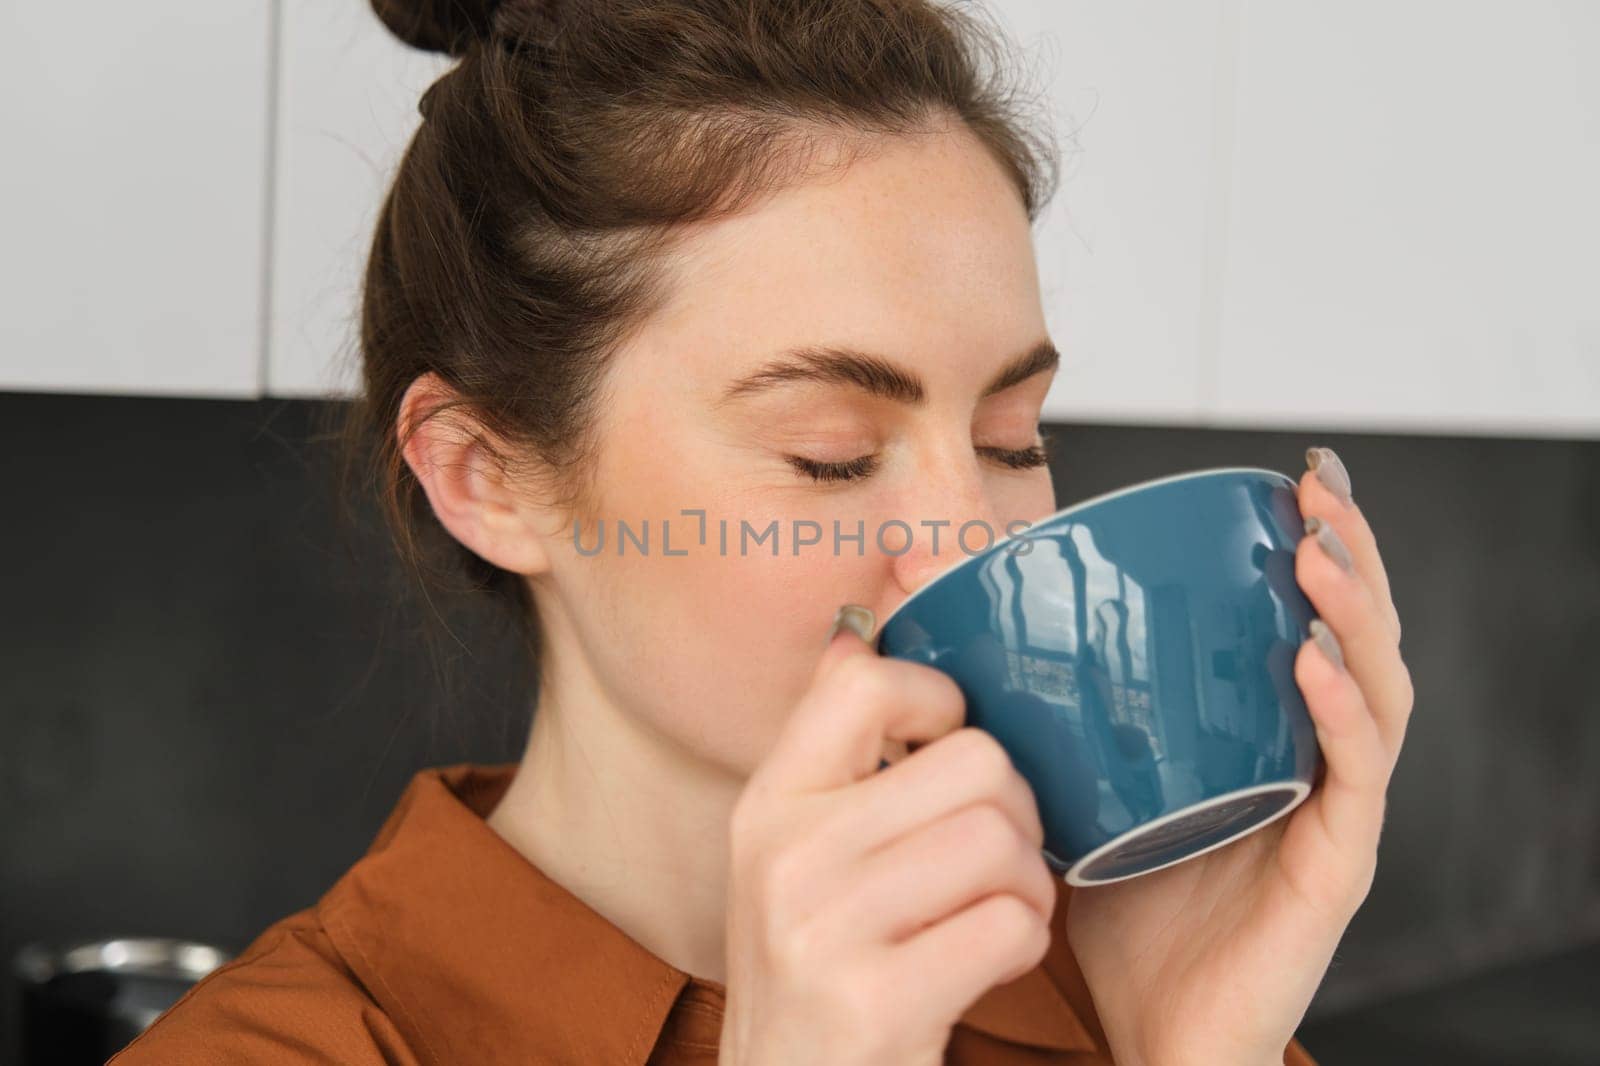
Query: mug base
[[1187, 832]]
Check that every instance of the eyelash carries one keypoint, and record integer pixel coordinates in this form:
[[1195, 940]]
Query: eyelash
[[1016, 458]]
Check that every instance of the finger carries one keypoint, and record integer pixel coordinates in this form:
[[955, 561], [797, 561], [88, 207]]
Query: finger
[[960, 769], [835, 734], [1352, 527], [953, 962], [1372, 658], [1348, 804], [936, 870]]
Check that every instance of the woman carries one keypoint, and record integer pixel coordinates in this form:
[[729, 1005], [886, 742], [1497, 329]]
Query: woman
[[679, 263]]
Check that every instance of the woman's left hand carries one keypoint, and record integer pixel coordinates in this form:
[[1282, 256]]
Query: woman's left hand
[[1215, 959]]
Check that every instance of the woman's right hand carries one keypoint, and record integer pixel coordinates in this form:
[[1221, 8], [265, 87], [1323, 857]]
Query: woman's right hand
[[867, 909]]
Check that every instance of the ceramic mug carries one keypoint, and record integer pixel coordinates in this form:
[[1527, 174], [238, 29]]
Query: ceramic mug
[[1134, 655]]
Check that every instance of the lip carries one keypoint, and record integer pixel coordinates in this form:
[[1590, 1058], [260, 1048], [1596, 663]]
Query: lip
[[1055, 516]]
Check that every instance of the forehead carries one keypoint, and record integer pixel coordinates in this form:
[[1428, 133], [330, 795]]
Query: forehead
[[919, 243]]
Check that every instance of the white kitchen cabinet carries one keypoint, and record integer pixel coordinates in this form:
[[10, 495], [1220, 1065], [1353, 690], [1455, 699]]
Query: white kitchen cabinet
[[132, 196], [1124, 247], [1413, 238], [1359, 216], [348, 95], [1121, 250]]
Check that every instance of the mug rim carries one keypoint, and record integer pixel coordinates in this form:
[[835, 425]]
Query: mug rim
[[1064, 511]]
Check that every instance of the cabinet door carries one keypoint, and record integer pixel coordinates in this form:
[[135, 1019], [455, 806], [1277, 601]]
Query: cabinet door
[[348, 95], [1413, 218], [133, 195], [1123, 249]]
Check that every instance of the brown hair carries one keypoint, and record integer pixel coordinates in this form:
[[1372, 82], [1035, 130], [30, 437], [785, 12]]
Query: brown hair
[[528, 227]]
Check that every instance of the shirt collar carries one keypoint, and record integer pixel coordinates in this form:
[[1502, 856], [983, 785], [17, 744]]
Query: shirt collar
[[479, 956]]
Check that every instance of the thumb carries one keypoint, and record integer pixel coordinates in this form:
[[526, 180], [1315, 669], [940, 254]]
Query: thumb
[[851, 634]]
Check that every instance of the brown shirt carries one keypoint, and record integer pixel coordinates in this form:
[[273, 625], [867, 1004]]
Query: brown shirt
[[445, 945]]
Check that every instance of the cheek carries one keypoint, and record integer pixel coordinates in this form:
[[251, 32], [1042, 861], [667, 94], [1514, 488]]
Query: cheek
[[1022, 502], [758, 626], [711, 648], [711, 651]]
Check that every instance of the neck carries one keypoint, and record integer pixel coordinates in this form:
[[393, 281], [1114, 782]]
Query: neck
[[626, 820]]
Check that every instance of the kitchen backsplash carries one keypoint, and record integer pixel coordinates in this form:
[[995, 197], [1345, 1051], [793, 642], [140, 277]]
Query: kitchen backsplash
[[209, 705]]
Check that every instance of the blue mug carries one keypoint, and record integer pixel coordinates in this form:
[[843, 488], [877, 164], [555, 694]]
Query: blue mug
[[1134, 655]]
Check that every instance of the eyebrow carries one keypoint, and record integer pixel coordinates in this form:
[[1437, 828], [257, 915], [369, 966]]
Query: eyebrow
[[876, 374]]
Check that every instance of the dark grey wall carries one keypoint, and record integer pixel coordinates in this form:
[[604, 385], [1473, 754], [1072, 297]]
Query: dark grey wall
[[207, 707]]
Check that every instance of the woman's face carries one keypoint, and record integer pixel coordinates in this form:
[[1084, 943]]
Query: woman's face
[[918, 255]]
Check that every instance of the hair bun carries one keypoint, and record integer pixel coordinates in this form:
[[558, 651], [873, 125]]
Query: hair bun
[[449, 26]]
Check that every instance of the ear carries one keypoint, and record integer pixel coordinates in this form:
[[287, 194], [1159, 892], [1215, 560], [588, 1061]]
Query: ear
[[472, 496]]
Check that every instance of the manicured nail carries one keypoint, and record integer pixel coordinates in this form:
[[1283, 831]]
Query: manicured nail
[[1329, 542], [1327, 642], [1330, 471], [858, 618]]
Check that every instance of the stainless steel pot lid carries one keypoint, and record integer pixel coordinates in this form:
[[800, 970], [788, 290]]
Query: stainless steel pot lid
[[141, 956]]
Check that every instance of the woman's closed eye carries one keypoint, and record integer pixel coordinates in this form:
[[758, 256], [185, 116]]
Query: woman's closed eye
[[853, 469]]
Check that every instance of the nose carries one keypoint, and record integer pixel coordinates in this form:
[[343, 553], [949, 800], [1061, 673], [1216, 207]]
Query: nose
[[951, 518]]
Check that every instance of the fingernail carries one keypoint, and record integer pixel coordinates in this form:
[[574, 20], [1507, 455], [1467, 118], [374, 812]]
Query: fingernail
[[1327, 642], [858, 618], [1330, 471], [1329, 542]]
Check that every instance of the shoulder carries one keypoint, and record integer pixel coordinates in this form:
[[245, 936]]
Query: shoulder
[[288, 997]]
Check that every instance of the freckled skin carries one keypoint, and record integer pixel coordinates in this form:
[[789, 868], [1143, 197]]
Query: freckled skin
[[667, 678]]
